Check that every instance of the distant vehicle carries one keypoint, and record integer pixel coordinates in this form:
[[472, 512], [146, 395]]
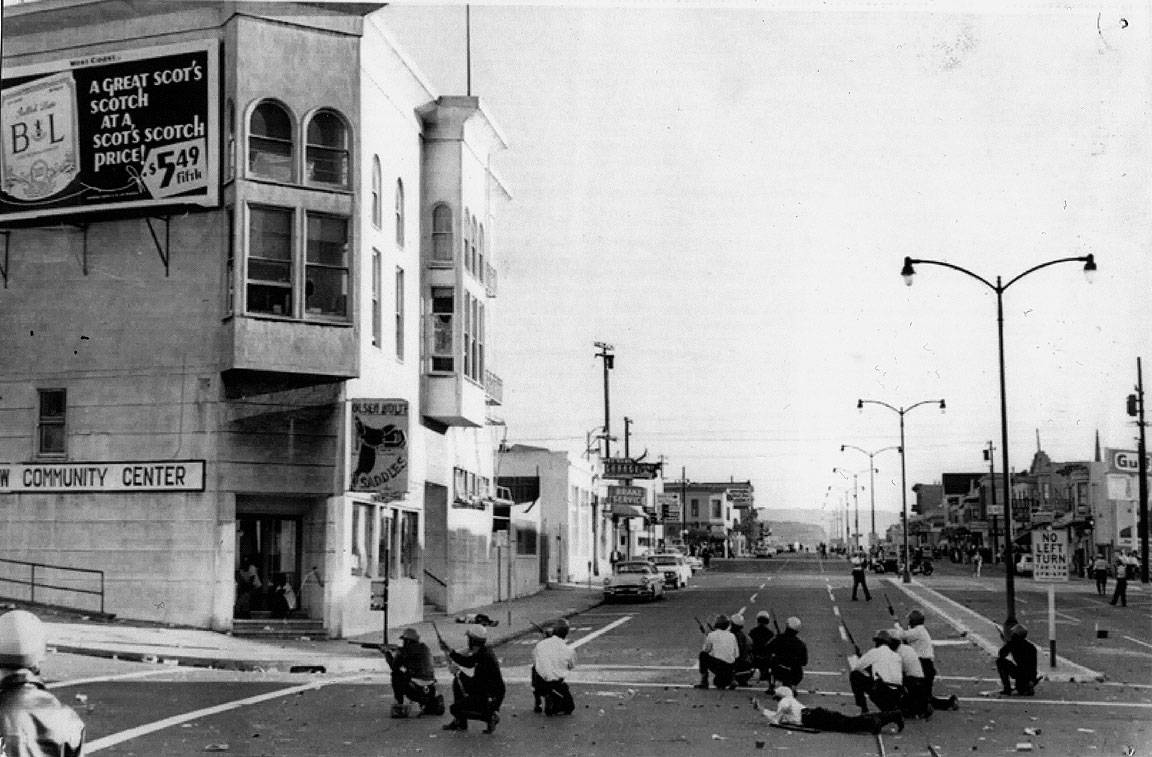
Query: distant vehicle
[[1024, 565], [634, 578], [765, 551], [675, 569], [695, 563]]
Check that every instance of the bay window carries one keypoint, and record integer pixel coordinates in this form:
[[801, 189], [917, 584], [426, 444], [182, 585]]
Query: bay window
[[326, 265], [270, 260], [442, 329]]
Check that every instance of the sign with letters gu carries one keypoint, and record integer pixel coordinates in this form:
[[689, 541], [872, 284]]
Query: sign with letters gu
[[131, 129], [1050, 555], [380, 448]]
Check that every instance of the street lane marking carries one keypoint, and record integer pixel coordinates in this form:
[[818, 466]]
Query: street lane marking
[[1143, 643], [836, 612], [595, 634], [752, 599], [118, 738], [117, 677]]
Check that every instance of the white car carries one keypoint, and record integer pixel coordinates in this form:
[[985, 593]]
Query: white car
[[634, 578], [674, 567], [1024, 565]]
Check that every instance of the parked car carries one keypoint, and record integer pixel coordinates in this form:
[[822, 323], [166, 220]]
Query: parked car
[[1024, 565], [674, 567], [634, 578], [765, 551]]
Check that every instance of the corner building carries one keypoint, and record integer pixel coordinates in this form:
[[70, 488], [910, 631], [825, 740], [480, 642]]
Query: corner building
[[247, 271]]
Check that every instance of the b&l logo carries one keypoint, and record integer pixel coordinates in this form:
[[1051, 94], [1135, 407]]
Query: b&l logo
[[40, 145]]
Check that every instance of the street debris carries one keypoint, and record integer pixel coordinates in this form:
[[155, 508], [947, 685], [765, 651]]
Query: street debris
[[1024, 746], [217, 748], [718, 737], [1031, 731], [1086, 730], [81, 698]]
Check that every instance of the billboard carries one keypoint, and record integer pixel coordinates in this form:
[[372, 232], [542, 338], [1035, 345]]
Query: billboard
[[380, 446], [132, 129]]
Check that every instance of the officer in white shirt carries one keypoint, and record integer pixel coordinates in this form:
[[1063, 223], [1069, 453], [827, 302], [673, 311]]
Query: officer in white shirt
[[718, 656], [879, 674], [917, 636], [552, 658]]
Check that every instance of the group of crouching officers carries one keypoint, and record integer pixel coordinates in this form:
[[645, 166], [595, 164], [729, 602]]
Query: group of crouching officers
[[896, 674]]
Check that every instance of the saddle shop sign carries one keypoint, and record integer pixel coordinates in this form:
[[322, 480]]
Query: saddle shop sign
[[130, 129], [379, 447]]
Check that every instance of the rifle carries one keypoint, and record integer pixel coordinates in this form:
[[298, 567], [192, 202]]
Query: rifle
[[775, 623], [541, 629], [703, 630], [891, 611], [849, 635], [452, 666]]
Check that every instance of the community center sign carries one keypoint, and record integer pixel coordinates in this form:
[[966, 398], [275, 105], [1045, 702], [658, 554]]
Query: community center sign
[[138, 476], [132, 129]]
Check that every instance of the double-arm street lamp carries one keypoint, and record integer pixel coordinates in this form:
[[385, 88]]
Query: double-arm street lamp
[[903, 480], [908, 272], [871, 481]]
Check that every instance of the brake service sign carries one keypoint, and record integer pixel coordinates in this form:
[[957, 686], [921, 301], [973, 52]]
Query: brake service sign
[[138, 128]]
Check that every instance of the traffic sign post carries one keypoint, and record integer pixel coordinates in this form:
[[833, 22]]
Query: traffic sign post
[[1050, 566]]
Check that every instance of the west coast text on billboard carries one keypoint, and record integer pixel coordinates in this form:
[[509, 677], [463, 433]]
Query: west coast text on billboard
[[133, 129]]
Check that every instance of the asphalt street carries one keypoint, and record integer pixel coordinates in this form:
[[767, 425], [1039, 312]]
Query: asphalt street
[[636, 668]]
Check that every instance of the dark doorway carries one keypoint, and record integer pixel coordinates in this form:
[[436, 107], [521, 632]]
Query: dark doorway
[[267, 565]]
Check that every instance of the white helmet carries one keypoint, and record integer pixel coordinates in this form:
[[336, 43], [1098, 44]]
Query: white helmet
[[22, 643]]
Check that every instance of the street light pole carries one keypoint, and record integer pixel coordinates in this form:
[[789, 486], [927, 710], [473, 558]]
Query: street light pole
[[903, 474], [999, 288], [871, 481], [609, 359]]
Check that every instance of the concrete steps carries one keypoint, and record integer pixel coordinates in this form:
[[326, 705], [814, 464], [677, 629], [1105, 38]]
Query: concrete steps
[[278, 628]]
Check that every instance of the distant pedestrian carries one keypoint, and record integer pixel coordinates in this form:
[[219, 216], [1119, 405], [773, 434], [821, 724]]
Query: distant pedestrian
[[552, 658], [1122, 572], [32, 721], [761, 635], [859, 570], [478, 686], [788, 655], [706, 556], [977, 563], [718, 656], [1021, 668], [789, 711], [413, 676], [879, 674], [1100, 573]]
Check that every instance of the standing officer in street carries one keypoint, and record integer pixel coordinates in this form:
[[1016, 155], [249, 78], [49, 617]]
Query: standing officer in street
[[1100, 573], [33, 723], [859, 568], [1125, 569]]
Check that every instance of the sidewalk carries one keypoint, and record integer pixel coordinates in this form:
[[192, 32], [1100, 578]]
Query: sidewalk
[[154, 643]]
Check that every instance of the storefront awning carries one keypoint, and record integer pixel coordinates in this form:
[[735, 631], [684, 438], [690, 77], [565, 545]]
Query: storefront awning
[[628, 511]]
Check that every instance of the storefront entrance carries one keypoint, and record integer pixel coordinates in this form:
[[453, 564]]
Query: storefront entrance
[[267, 565]]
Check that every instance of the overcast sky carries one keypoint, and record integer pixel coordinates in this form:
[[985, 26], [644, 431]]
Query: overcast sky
[[726, 195]]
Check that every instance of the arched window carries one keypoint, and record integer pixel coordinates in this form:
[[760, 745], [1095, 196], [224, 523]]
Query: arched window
[[270, 150], [377, 210], [326, 152], [399, 213], [442, 233]]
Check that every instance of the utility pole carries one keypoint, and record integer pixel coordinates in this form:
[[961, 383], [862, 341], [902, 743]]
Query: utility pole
[[989, 455], [1136, 408], [609, 359]]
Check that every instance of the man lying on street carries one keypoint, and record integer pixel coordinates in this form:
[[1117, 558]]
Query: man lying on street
[[790, 711]]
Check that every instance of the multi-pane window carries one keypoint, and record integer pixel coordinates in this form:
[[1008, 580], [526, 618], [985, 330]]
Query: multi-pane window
[[441, 332], [716, 509], [480, 255], [399, 213], [409, 545], [50, 422], [377, 336], [472, 246], [377, 209], [442, 233], [270, 154], [473, 347], [270, 261], [326, 152], [326, 255], [385, 552], [399, 313]]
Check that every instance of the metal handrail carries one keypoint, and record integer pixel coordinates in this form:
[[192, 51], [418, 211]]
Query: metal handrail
[[437, 580], [32, 584]]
